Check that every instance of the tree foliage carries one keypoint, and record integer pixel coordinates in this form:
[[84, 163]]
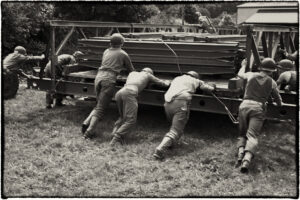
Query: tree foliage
[[25, 23]]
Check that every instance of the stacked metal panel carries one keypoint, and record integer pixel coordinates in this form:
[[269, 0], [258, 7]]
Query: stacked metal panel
[[205, 58]]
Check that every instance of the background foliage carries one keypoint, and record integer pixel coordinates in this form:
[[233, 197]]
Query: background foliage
[[25, 23]]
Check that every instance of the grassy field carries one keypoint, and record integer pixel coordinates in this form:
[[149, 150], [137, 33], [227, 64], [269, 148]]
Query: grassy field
[[45, 155]]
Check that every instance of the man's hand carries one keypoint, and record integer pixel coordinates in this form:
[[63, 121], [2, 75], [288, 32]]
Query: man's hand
[[42, 56], [244, 62]]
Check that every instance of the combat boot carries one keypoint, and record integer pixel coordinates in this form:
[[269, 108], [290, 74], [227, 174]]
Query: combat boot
[[245, 167], [240, 157], [116, 141], [88, 135], [162, 147], [158, 154], [84, 127], [246, 162]]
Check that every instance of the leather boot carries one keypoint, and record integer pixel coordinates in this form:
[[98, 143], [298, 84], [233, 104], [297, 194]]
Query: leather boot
[[162, 147], [240, 157], [246, 162], [116, 141]]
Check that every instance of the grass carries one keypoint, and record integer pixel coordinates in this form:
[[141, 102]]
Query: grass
[[45, 155]]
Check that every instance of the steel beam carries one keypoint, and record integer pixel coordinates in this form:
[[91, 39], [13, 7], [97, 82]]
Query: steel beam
[[62, 44], [204, 103]]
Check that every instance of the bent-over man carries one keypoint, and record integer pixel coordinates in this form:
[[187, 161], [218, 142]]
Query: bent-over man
[[114, 60], [126, 99], [177, 107], [252, 110], [62, 60]]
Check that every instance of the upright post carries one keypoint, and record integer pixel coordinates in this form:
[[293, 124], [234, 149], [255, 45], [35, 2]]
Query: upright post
[[248, 47], [53, 57]]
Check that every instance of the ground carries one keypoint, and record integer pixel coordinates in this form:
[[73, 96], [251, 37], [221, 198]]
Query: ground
[[45, 155]]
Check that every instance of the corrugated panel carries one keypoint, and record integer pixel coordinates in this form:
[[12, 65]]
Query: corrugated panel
[[273, 18], [268, 4]]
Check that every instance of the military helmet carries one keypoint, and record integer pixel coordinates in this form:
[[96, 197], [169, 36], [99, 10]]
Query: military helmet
[[147, 69], [20, 50], [268, 64], [77, 53], [117, 39], [285, 64], [193, 74]]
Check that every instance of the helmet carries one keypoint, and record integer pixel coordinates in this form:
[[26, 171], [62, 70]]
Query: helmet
[[117, 39], [193, 74], [285, 64], [147, 69], [20, 50], [77, 53], [268, 64]]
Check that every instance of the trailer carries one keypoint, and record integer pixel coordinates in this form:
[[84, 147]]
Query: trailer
[[171, 50]]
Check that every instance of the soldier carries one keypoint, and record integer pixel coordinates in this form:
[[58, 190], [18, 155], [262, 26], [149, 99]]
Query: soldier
[[177, 107], [13, 61], [287, 80], [114, 60], [126, 100], [63, 59], [253, 108], [11, 69]]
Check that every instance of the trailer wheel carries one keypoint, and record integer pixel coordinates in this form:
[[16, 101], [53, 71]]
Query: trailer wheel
[[11, 84]]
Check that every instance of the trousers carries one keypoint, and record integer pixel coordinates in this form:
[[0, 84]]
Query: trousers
[[49, 96], [177, 112], [127, 103], [251, 120]]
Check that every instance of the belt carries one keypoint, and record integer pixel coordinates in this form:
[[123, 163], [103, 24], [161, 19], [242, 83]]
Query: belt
[[253, 101], [132, 87]]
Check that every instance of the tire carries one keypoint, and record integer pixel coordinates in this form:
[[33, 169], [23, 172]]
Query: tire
[[11, 84]]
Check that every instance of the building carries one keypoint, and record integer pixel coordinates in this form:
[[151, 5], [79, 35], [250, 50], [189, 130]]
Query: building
[[268, 13]]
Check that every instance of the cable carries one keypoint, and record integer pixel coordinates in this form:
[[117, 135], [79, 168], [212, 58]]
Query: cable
[[177, 60], [232, 118]]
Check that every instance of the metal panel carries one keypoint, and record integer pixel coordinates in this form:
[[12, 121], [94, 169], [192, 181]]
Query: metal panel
[[171, 68], [160, 45], [92, 50]]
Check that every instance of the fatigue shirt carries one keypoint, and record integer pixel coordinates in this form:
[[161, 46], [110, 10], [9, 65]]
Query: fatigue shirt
[[288, 78], [182, 87], [63, 59], [138, 81], [259, 87], [13, 60], [115, 60]]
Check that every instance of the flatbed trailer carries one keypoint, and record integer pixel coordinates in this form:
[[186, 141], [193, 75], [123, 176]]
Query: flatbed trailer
[[216, 58]]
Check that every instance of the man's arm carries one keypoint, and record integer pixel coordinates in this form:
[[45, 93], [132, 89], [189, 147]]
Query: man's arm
[[284, 78], [275, 94], [205, 87], [27, 58], [242, 72], [128, 63], [159, 82]]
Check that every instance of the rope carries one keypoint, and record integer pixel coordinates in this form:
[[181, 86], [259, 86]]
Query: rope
[[230, 115]]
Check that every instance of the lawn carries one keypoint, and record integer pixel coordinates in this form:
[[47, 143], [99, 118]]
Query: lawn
[[45, 155]]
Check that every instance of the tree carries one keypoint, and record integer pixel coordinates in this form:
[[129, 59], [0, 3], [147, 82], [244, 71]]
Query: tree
[[24, 24]]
